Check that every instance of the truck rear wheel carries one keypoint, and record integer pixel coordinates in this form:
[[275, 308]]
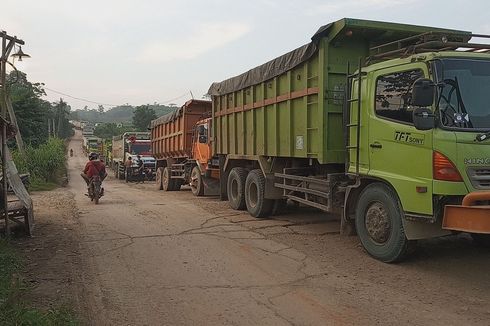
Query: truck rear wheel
[[167, 183], [177, 183], [196, 183], [235, 188], [158, 178], [257, 204], [379, 223]]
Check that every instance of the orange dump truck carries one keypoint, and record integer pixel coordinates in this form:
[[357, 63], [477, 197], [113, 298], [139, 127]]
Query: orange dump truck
[[182, 147]]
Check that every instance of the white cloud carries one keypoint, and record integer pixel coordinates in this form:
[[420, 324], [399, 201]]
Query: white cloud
[[206, 37]]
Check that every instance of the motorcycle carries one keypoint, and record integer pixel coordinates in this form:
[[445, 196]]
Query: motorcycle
[[71, 152], [95, 189]]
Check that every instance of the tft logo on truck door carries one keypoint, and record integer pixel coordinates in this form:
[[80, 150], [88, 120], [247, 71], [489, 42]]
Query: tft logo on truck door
[[409, 137]]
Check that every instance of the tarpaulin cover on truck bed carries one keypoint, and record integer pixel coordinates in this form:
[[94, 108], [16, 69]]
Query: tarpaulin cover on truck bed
[[188, 106], [167, 117], [269, 69], [376, 32]]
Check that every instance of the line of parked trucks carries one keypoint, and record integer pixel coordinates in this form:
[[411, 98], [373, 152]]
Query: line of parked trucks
[[384, 124]]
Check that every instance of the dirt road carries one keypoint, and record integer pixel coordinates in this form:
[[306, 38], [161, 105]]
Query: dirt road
[[155, 258]]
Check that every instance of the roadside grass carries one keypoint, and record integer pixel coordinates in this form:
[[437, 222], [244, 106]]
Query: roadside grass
[[46, 164], [13, 309], [39, 185]]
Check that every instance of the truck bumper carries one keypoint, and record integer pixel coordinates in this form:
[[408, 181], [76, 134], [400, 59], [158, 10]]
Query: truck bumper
[[469, 216]]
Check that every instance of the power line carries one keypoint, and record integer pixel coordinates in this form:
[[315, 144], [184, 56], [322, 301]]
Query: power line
[[174, 99], [79, 98], [107, 104]]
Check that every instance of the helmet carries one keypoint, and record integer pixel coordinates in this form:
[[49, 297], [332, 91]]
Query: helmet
[[93, 156]]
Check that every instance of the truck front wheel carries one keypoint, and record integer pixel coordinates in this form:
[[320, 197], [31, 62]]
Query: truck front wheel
[[158, 178], [257, 204], [379, 223], [235, 188], [167, 183], [196, 183]]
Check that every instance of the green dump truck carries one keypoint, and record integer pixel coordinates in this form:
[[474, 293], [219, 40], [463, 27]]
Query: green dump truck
[[385, 124]]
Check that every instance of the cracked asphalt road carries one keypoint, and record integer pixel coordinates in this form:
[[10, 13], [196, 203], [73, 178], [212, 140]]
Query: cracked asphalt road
[[155, 258]]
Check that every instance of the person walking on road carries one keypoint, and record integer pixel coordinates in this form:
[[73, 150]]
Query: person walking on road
[[127, 165], [140, 169]]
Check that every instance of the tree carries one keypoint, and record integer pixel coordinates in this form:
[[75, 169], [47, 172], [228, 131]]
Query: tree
[[108, 130], [101, 109], [142, 117], [30, 109], [60, 113]]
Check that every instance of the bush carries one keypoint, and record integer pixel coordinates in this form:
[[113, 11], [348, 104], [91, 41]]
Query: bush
[[44, 163]]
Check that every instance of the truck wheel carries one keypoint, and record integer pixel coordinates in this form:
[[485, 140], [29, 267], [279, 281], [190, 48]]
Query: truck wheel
[[177, 183], [158, 178], [196, 183], [167, 183], [235, 188], [482, 240], [257, 204], [379, 223]]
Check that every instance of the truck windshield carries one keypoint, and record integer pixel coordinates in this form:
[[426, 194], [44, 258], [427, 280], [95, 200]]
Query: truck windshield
[[463, 86], [140, 148]]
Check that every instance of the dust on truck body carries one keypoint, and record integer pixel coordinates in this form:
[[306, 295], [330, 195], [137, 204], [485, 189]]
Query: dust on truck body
[[181, 146], [383, 123], [131, 144]]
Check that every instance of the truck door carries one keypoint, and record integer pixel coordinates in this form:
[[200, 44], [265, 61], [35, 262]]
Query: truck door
[[398, 153]]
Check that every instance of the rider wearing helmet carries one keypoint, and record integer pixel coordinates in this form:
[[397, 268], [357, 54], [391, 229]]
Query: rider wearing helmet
[[94, 167]]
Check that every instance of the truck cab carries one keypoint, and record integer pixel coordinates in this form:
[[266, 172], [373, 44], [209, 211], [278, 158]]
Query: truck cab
[[424, 133]]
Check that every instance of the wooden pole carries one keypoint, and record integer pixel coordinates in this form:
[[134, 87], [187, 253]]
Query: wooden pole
[[3, 79], [13, 120]]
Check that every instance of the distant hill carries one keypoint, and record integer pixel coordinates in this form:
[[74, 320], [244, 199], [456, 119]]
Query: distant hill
[[123, 113]]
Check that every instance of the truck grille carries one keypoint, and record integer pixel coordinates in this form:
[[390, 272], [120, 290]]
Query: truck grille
[[479, 177]]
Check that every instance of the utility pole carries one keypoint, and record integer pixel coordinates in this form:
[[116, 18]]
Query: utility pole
[[8, 43]]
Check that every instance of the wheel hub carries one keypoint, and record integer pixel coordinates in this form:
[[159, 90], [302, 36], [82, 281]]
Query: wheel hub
[[378, 223]]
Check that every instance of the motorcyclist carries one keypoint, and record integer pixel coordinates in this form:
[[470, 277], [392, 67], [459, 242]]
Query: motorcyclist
[[93, 167], [71, 151]]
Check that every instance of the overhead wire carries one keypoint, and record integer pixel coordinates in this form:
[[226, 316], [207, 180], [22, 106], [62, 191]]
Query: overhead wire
[[108, 104]]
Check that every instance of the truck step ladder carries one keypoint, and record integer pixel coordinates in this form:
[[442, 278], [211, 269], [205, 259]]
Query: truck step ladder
[[347, 116]]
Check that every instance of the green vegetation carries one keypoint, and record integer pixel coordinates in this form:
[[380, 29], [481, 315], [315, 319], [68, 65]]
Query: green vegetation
[[33, 113], [118, 114], [45, 163], [108, 130], [13, 309], [142, 117]]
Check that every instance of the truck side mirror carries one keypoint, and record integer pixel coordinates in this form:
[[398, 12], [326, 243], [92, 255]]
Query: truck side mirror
[[423, 119], [423, 92]]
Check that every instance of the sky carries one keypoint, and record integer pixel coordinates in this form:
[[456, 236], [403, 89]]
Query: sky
[[114, 52]]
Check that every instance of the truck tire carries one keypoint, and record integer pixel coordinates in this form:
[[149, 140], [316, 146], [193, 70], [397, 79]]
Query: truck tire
[[257, 204], [197, 186], [482, 240], [167, 183], [177, 183], [235, 188], [379, 223], [158, 178]]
